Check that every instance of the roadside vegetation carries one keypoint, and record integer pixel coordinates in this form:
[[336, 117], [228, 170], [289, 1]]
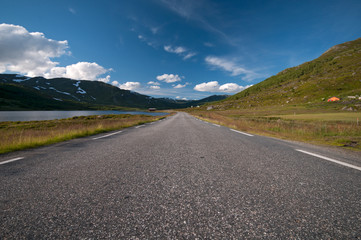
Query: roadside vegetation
[[341, 129], [294, 104], [22, 135]]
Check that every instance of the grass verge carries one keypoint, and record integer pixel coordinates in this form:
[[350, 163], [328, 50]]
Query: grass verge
[[336, 129], [22, 135]]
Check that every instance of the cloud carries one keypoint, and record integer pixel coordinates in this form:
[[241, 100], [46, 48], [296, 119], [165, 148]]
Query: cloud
[[26, 52], [214, 86], [180, 85], [127, 85], [169, 78], [181, 51], [178, 97], [177, 50], [154, 87], [189, 55], [30, 53], [105, 80], [207, 87], [231, 67], [153, 83], [79, 71]]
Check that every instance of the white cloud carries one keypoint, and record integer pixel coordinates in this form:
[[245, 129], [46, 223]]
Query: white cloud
[[178, 97], [214, 86], [189, 55], [129, 85], [26, 52], [169, 78], [154, 87], [180, 85], [79, 71], [30, 53], [153, 83], [207, 87], [181, 51], [106, 79], [177, 50], [231, 67]]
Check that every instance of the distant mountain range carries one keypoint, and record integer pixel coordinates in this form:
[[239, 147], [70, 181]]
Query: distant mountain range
[[336, 73], [23, 93]]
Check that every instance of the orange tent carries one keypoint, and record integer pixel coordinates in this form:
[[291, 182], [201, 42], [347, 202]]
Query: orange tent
[[333, 99]]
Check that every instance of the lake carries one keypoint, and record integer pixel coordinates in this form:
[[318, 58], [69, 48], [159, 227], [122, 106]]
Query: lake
[[50, 115]]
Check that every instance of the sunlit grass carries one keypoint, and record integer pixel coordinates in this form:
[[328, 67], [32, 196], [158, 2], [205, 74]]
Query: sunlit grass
[[21, 135], [338, 129], [329, 117]]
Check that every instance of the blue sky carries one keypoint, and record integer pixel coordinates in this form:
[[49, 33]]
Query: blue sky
[[171, 48]]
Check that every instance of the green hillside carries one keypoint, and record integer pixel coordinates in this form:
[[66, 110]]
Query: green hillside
[[337, 72]]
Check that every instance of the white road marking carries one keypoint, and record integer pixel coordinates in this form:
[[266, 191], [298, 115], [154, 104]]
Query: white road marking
[[11, 160], [250, 135], [139, 126], [216, 125], [331, 160], [107, 135]]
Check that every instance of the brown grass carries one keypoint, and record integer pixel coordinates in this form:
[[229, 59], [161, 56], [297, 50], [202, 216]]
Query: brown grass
[[21, 135], [344, 133]]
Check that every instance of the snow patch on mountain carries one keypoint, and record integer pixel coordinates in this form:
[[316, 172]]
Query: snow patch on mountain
[[81, 91], [76, 84], [66, 93], [19, 78]]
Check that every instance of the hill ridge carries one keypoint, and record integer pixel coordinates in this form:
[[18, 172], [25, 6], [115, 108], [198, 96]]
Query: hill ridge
[[337, 72], [65, 93]]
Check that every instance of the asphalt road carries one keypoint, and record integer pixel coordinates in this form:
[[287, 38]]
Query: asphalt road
[[180, 178]]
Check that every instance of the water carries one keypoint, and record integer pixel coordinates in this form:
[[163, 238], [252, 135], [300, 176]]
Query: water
[[50, 115]]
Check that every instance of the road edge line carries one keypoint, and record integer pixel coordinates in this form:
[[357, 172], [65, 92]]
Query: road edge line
[[11, 160], [247, 134], [108, 135], [330, 159]]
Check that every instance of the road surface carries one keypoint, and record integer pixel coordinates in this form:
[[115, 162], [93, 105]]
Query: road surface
[[180, 178]]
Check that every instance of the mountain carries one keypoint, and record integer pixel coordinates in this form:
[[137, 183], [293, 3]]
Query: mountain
[[337, 73], [20, 92]]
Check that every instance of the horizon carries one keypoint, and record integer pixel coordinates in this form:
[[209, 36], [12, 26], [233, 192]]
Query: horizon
[[171, 49]]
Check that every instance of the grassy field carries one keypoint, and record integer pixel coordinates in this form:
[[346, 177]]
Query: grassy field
[[336, 129], [22, 135], [330, 117]]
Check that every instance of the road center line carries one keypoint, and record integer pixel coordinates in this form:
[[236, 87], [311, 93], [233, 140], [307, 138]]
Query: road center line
[[330, 159], [11, 160], [216, 125], [250, 135], [107, 135]]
